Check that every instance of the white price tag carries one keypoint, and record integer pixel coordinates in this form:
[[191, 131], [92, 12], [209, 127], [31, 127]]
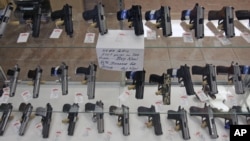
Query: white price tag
[[225, 137], [78, 98], [223, 39], [125, 95], [158, 106], [108, 136], [5, 97], [188, 37], [56, 33], [26, 95], [232, 100], [184, 100], [58, 133], [55, 93], [86, 131], [89, 38], [151, 34], [16, 125], [39, 128], [200, 135], [23, 37], [202, 96], [246, 36]]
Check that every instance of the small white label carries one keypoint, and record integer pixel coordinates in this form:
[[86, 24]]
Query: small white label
[[108, 136], [224, 40], [151, 35], [23, 37], [26, 95], [188, 37], [39, 128], [5, 97], [78, 98], [246, 36], [89, 38], [202, 96], [125, 95], [184, 100], [86, 131], [232, 100], [56, 33], [158, 106], [55, 93], [16, 125]]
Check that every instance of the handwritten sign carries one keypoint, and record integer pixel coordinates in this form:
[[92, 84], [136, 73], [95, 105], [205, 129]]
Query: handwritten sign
[[120, 50]]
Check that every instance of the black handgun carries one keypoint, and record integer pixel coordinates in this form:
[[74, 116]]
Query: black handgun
[[123, 117], [164, 86], [46, 114], [26, 109], [234, 76], [207, 118], [184, 76], [138, 78], [243, 113], [98, 115], [36, 75], [134, 17], [163, 19], [243, 15], [62, 72], [6, 109], [98, 17], [230, 116], [72, 111], [209, 84], [196, 19], [154, 118], [13, 74], [181, 121], [225, 18], [65, 14], [4, 18], [90, 77]]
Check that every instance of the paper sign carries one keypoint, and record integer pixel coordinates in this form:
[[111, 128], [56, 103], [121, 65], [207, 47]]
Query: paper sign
[[188, 37], [23, 37], [223, 39], [5, 97], [246, 36], [202, 96], [55, 93], [26, 95], [89, 38], [56, 33], [151, 34], [16, 125], [78, 98], [125, 95]]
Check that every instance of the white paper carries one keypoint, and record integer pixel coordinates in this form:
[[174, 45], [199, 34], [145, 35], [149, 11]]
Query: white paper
[[78, 98], [245, 36], [16, 125], [184, 101], [151, 35], [56, 33], [188, 37], [223, 39], [89, 38], [23, 37], [5, 97], [55, 93], [125, 95], [26, 95], [202, 96]]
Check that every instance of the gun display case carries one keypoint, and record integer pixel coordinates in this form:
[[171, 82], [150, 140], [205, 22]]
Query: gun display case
[[160, 54]]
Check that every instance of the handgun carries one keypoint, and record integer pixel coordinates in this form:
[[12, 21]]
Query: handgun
[[4, 18], [138, 78], [72, 111], [123, 117], [243, 15], [207, 118], [234, 76], [230, 116], [225, 18], [62, 72], [65, 14], [90, 77], [243, 113], [163, 19], [98, 115], [98, 17], [196, 19], [209, 84], [184, 76], [154, 118], [6, 109], [13, 74], [134, 17], [36, 75], [164, 86], [26, 109], [181, 123], [46, 114]]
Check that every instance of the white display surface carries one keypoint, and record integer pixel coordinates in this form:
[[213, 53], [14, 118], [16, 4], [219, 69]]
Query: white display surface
[[111, 94]]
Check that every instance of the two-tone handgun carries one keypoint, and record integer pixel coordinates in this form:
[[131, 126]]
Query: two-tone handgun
[[6, 109], [72, 111], [13, 74], [26, 110], [36, 75], [4, 18], [62, 72]]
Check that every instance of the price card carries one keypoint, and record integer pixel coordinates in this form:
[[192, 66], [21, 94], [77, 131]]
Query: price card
[[246, 36], [231, 99], [26, 95], [86, 131], [200, 136], [5, 97], [188, 37], [184, 100], [56, 33], [78, 98], [55, 93], [108, 136], [151, 34], [125, 95], [202, 96], [39, 128], [223, 39], [23, 37], [16, 125], [89, 38], [158, 106]]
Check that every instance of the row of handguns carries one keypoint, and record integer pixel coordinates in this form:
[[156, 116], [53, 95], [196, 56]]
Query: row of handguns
[[207, 113], [35, 11]]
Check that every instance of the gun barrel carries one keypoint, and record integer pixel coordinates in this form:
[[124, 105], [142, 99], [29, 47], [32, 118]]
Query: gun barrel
[[242, 14], [197, 70], [36, 22]]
